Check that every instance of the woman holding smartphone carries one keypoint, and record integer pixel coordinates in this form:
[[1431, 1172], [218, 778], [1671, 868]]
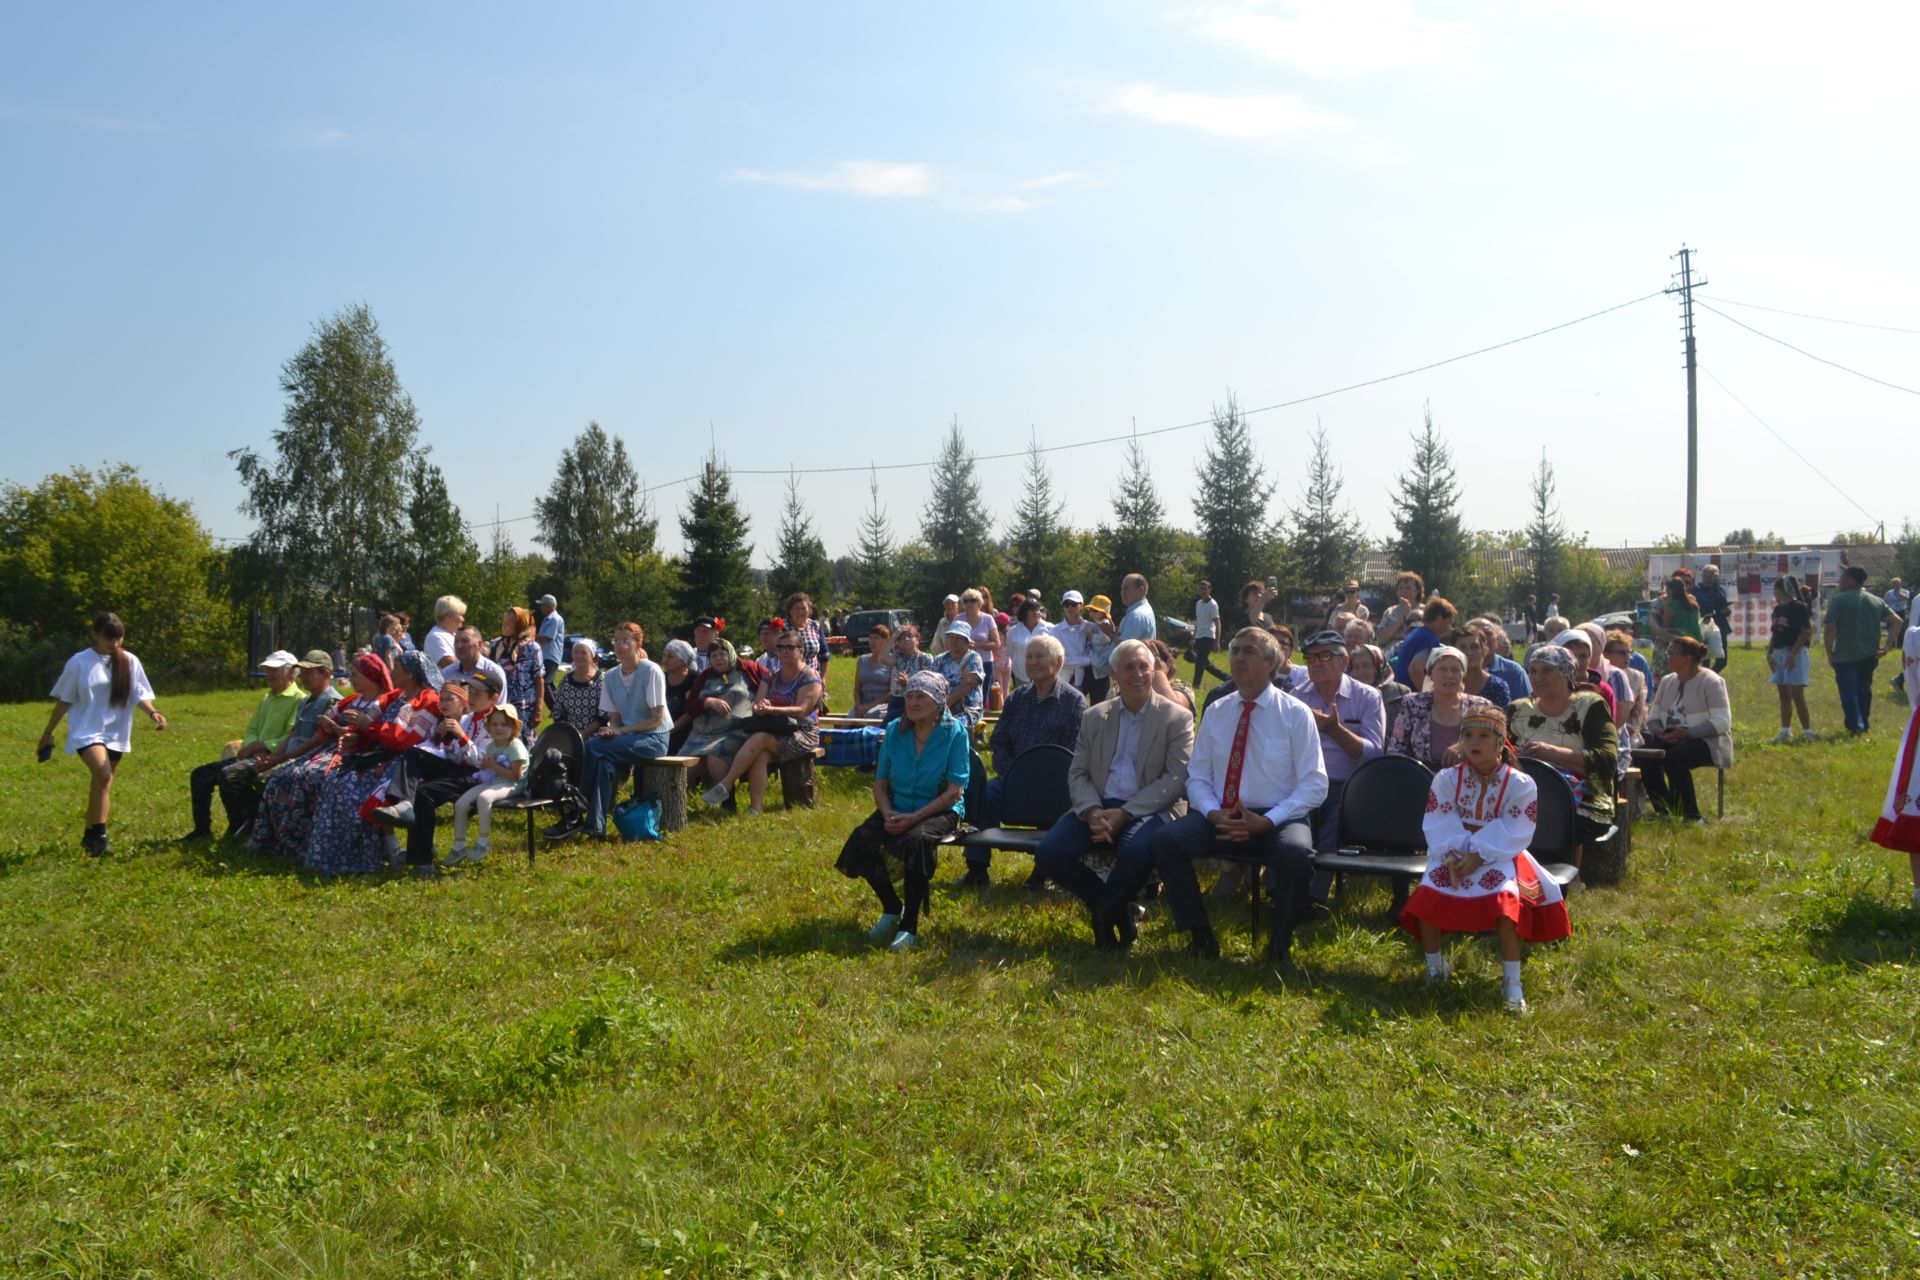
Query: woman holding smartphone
[[96, 693]]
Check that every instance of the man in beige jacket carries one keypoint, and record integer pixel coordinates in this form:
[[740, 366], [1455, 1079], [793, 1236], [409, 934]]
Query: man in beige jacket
[[1128, 778]]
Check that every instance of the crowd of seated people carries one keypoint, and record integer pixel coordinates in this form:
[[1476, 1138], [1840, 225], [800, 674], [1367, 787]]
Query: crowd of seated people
[[1161, 779]]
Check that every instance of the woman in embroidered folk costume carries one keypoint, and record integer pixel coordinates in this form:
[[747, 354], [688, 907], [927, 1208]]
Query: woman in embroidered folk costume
[[1899, 825], [1480, 877]]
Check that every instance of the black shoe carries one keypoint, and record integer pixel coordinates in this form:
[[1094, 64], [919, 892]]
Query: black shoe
[[393, 815], [565, 829], [1127, 926], [95, 843], [1280, 953], [1204, 946], [196, 836], [1036, 883], [240, 832], [976, 878]]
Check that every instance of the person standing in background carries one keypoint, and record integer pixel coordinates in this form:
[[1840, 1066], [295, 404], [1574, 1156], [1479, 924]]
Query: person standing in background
[[553, 636], [1206, 635]]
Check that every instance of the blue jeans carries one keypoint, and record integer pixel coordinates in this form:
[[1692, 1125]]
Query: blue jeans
[[1069, 840], [1855, 682], [604, 758]]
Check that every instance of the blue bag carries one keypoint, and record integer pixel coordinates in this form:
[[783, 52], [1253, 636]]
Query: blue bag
[[637, 819]]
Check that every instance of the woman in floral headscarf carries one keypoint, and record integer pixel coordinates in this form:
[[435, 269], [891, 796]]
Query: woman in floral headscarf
[[293, 790], [919, 797], [1569, 728]]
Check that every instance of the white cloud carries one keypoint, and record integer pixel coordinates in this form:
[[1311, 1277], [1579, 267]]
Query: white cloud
[[1332, 37], [856, 177], [1004, 204], [1253, 115], [1066, 177]]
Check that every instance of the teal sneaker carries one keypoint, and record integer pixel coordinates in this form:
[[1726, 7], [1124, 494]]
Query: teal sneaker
[[905, 941], [885, 929]]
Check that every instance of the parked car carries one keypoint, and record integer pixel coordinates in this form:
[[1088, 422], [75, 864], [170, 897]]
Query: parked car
[[861, 621]]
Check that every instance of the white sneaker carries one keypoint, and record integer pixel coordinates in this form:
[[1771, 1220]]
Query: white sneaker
[[1516, 1003], [716, 794], [1438, 977], [1785, 735]]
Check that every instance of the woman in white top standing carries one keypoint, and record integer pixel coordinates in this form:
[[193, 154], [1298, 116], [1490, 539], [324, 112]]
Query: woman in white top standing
[[97, 692]]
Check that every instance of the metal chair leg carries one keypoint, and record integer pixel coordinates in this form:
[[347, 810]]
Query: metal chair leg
[[1722, 783], [529, 839]]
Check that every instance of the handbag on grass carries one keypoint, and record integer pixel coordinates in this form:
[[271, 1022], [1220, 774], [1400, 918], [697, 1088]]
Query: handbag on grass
[[637, 819]]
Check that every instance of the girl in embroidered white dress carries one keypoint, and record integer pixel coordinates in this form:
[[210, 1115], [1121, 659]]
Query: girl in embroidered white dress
[[1480, 877], [1899, 825]]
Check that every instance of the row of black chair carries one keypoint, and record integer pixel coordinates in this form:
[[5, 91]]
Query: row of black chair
[[1381, 813]]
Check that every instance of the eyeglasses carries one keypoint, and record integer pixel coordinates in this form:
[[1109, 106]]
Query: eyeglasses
[[1327, 656], [787, 646]]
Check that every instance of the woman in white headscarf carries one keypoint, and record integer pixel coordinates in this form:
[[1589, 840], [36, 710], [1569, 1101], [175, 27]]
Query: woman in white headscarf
[[1428, 726]]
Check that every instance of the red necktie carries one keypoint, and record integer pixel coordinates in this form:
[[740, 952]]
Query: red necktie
[[1237, 758]]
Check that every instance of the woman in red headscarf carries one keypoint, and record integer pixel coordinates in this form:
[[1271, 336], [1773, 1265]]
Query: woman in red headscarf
[[340, 840], [293, 790]]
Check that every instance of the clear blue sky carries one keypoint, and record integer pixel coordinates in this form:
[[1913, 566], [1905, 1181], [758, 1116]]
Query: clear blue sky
[[827, 230]]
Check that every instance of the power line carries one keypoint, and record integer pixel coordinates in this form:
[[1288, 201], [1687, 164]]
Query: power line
[[1808, 354], [1157, 431], [1788, 445], [1782, 311]]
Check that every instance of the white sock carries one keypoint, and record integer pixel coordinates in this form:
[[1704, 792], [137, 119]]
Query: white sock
[[1510, 972], [1436, 965]]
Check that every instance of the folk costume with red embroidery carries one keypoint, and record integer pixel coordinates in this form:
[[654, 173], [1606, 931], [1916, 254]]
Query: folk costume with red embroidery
[[1899, 824], [1478, 826]]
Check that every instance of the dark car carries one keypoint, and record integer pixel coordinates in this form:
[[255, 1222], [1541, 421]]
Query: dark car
[[861, 621]]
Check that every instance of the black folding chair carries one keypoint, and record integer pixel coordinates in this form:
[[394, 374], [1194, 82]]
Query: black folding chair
[[1032, 798], [565, 739], [1381, 812], [1555, 840]]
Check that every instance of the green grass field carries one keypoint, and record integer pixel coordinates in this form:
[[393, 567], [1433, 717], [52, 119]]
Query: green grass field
[[685, 1059]]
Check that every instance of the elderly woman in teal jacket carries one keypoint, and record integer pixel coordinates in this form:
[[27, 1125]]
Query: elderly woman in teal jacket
[[919, 789]]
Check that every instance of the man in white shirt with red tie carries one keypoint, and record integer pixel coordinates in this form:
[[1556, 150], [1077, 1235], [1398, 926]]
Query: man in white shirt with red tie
[[1254, 781]]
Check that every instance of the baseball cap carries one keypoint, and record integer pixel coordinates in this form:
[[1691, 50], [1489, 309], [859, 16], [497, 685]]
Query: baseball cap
[[482, 679], [548, 600], [1325, 639], [281, 658], [952, 599], [1073, 597]]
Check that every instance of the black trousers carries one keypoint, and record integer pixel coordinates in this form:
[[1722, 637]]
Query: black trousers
[[1203, 661], [1286, 850], [426, 781], [1669, 782], [239, 793]]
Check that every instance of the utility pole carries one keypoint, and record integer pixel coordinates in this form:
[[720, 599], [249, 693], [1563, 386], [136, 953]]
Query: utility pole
[[1685, 289]]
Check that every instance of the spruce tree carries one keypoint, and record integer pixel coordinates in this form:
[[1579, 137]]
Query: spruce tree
[[876, 574], [1038, 537], [1546, 534], [1230, 505], [1429, 536], [800, 562], [1324, 537], [594, 507], [716, 573], [955, 529], [1137, 540]]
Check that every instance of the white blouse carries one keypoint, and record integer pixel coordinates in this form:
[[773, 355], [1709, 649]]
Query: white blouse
[[85, 684], [1494, 817]]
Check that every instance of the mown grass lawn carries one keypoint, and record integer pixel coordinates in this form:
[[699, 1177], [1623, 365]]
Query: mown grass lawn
[[684, 1059]]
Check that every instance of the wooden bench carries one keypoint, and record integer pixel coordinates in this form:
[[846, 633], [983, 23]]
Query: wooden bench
[[796, 780]]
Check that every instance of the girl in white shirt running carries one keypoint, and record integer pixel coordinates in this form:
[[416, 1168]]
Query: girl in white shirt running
[[96, 693]]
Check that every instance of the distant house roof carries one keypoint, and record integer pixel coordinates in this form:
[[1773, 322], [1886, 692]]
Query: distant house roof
[[1376, 567]]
